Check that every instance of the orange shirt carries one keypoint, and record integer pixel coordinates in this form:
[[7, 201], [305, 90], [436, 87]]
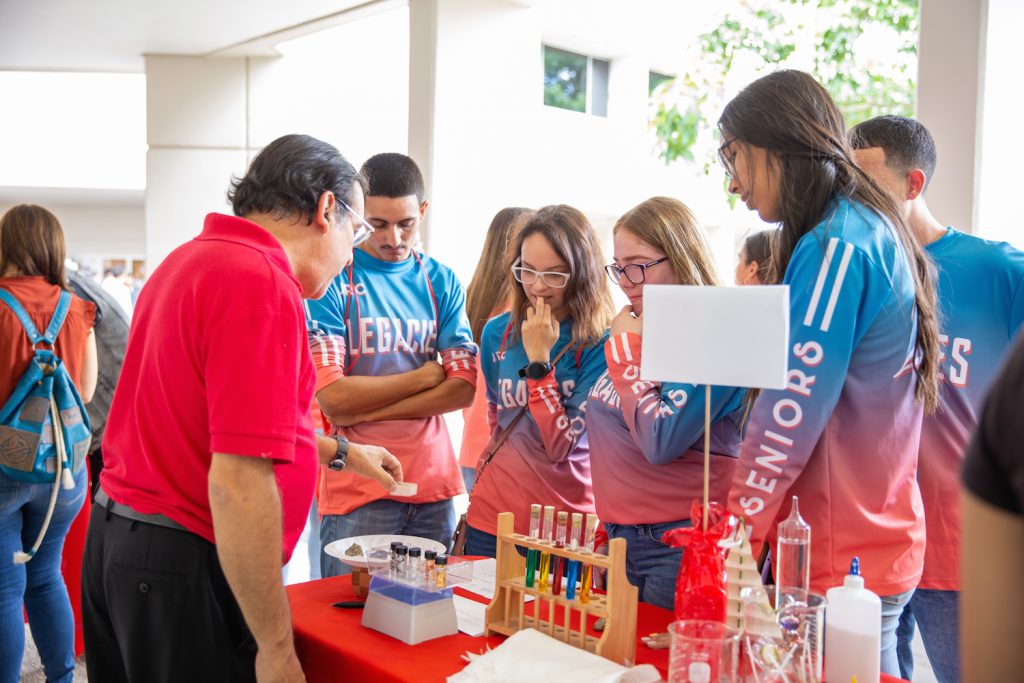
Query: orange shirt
[[39, 299]]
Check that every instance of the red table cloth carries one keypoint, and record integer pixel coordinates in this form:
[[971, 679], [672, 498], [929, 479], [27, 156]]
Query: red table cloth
[[333, 645]]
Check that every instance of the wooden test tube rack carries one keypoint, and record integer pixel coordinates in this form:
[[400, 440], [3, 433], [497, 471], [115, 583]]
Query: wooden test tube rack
[[505, 615]]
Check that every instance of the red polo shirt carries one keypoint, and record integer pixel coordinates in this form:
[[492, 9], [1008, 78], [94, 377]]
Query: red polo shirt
[[217, 362]]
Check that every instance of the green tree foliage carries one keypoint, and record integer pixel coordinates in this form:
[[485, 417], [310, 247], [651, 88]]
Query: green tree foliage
[[773, 35]]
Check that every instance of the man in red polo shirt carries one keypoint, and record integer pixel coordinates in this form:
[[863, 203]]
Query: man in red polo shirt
[[209, 451]]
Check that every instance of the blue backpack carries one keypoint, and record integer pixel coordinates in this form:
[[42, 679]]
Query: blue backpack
[[44, 428]]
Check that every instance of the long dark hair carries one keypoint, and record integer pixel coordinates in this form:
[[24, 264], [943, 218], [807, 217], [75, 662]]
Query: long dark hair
[[758, 249], [791, 116], [32, 243], [491, 286], [587, 298]]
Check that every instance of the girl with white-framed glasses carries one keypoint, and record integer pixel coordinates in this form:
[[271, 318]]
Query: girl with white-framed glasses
[[539, 360]]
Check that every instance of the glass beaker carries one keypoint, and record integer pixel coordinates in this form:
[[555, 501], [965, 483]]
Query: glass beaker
[[782, 645], [703, 652]]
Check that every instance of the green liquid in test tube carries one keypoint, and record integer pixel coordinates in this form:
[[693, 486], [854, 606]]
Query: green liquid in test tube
[[532, 554]]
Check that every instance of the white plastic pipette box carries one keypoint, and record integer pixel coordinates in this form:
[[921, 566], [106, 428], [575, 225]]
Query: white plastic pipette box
[[409, 610]]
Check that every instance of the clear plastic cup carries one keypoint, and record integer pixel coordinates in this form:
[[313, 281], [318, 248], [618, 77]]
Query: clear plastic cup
[[703, 652]]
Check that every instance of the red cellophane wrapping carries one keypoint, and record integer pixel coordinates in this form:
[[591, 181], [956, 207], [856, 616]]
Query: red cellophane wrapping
[[700, 587]]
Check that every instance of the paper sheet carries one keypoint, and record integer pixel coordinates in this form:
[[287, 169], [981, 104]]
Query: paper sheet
[[485, 576], [470, 615]]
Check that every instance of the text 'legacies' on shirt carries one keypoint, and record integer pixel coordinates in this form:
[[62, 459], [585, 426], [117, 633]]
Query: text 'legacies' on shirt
[[384, 318], [546, 458]]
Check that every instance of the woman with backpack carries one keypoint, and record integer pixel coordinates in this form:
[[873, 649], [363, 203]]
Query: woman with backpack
[[32, 275]]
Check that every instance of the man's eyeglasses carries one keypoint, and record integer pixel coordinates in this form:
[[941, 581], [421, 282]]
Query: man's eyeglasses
[[634, 272], [362, 231], [549, 278]]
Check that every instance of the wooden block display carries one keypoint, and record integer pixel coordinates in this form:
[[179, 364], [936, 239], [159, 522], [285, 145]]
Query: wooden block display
[[506, 613]]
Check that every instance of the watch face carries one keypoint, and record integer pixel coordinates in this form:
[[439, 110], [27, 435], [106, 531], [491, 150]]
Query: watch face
[[537, 370]]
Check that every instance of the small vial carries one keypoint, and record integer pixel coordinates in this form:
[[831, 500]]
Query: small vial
[[401, 561], [429, 566], [393, 566], [441, 571], [414, 570]]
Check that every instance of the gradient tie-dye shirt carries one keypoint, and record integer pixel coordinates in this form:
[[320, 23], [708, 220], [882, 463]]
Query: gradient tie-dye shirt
[[982, 306], [384, 318], [844, 434]]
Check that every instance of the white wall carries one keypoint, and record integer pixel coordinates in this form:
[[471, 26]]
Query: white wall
[[99, 231], [1002, 148], [496, 144]]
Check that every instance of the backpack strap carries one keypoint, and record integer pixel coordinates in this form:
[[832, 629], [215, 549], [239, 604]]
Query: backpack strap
[[56, 322]]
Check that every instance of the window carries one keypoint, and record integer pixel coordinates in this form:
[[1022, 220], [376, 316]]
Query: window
[[654, 79], [575, 82]]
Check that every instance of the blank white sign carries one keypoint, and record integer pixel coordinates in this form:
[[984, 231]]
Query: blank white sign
[[723, 336]]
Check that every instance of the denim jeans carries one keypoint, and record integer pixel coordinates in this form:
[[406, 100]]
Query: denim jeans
[[39, 584], [652, 566], [892, 608], [938, 614], [435, 521], [468, 478]]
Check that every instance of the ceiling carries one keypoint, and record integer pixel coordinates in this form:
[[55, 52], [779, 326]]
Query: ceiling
[[113, 35]]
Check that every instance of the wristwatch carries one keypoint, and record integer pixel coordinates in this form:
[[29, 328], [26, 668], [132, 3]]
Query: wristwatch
[[535, 370], [341, 455]]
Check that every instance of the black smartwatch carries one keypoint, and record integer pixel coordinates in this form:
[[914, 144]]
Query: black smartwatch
[[340, 458], [535, 370]]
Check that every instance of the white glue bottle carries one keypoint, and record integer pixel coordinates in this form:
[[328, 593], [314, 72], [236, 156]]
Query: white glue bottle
[[853, 630]]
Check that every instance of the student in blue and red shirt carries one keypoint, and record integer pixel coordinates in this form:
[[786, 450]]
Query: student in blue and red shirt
[[561, 307], [981, 300], [864, 347], [647, 438], [377, 336]]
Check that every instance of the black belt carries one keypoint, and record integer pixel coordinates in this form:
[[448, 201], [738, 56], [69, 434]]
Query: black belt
[[128, 513]]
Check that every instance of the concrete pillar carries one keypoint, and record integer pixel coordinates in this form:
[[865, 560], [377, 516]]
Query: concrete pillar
[[951, 86], [197, 131]]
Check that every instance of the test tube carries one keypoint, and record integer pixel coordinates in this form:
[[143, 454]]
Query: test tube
[[545, 556], [587, 579], [556, 570], [441, 571], [429, 566], [573, 572], [532, 555]]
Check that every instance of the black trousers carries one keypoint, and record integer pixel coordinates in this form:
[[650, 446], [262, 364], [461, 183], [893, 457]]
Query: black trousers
[[156, 607]]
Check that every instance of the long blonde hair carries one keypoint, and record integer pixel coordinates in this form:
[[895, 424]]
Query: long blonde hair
[[587, 298], [669, 226], [491, 286]]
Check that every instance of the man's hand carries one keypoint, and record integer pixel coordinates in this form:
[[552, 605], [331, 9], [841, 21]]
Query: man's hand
[[278, 667], [540, 332], [374, 463], [625, 321]]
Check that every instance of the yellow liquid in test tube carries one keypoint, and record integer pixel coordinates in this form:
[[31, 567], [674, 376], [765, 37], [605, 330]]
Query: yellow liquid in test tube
[[585, 582], [545, 569]]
